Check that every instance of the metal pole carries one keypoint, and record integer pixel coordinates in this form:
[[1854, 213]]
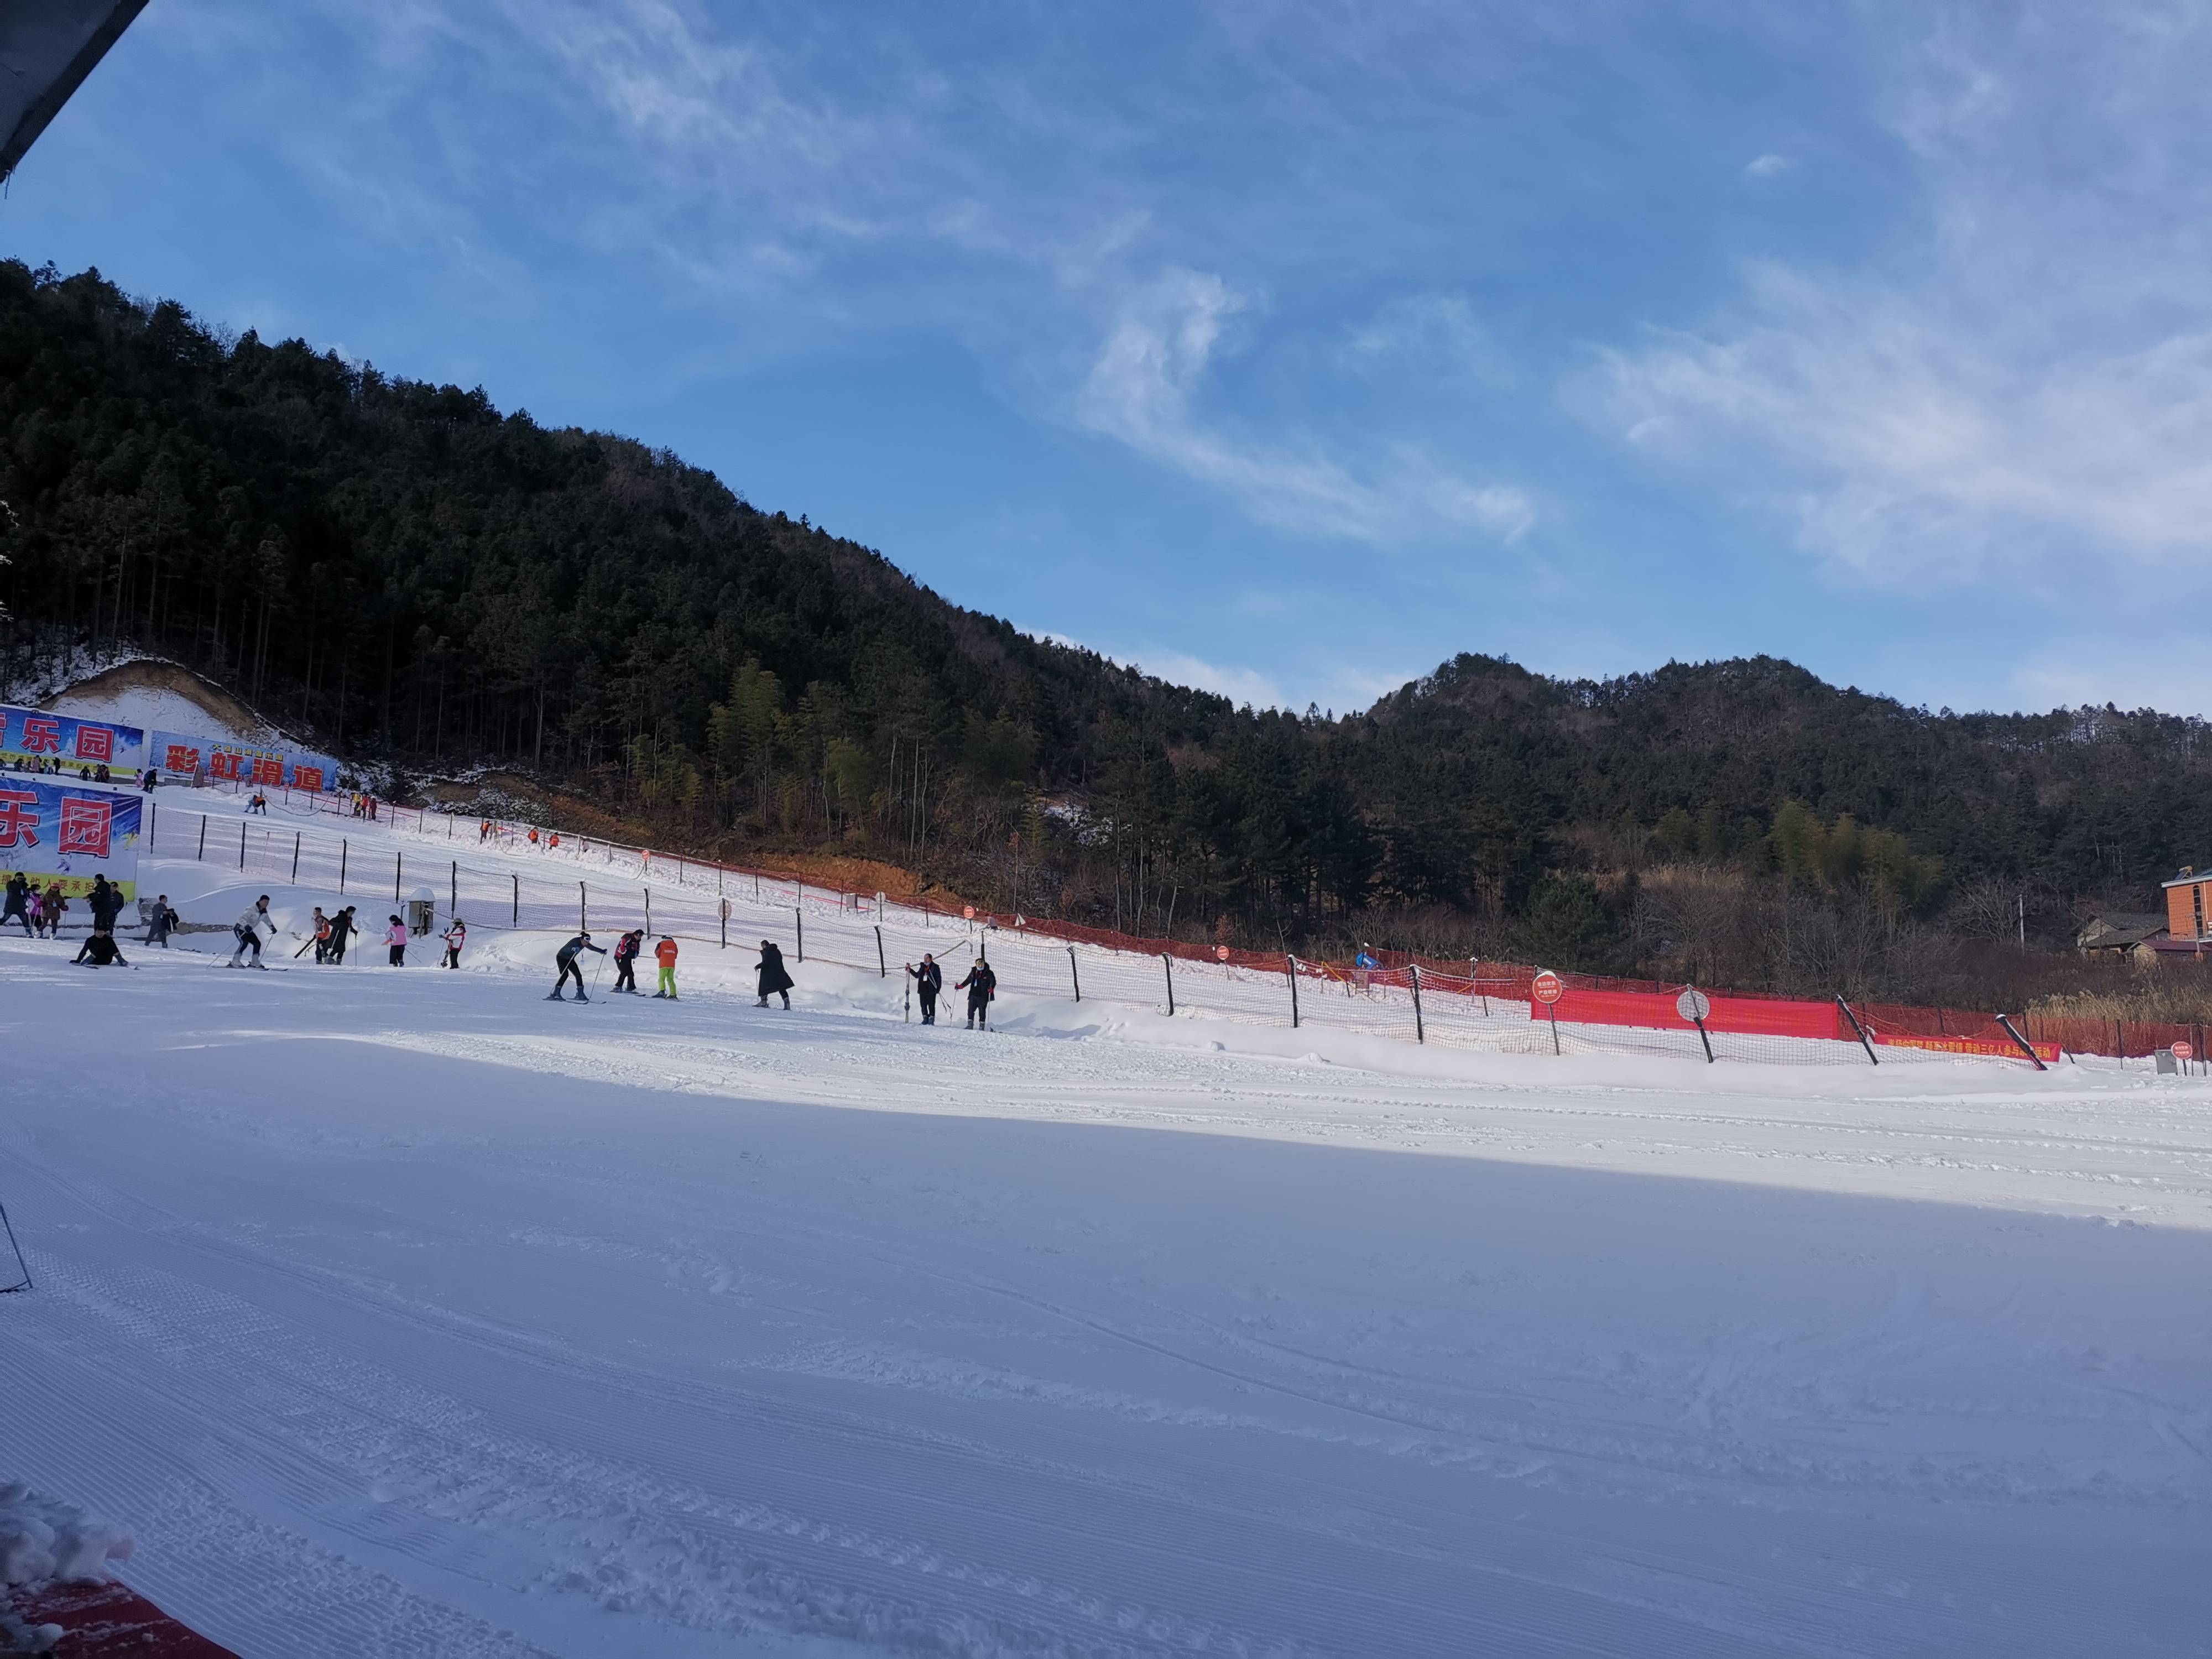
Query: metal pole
[[399, 874], [1475, 982], [1290, 967], [1075, 977], [295, 858], [342, 866], [799, 925], [1420, 1034], [1167, 967], [1859, 1030], [2013, 1031], [23, 1266], [202, 854], [516, 919], [1554, 1008], [649, 909], [241, 843], [1707, 1040], [882, 969], [583, 910]]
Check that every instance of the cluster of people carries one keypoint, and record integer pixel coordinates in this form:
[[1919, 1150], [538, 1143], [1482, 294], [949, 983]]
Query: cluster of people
[[981, 984], [772, 978], [364, 806], [40, 911]]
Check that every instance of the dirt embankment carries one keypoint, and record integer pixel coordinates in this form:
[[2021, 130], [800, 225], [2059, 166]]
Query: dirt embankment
[[163, 693], [574, 815]]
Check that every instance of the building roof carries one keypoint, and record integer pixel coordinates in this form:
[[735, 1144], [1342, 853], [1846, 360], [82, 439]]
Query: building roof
[[2188, 879], [2117, 929]]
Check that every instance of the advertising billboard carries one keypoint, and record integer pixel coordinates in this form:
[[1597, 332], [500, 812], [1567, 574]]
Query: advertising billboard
[[33, 741], [180, 755], [57, 831]]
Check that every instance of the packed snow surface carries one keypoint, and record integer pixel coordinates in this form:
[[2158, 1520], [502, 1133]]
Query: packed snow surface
[[405, 1311]]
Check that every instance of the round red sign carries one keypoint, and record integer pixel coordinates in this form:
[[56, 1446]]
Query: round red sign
[[2183, 1051], [1547, 986]]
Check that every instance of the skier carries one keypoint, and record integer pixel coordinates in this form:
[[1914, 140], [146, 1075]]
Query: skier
[[320, 927], [395, 935], [19, 902], [565, 959], [774, 980], [258, 804], [99, 951], [247, 931], [162, 923], [106, 903], [626, 950], [928, 981], [53, 908], [455, 937], [666, 952], [342, 929], [980, 985]]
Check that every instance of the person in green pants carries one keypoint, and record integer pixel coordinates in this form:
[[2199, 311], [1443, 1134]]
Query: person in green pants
[[665, 951]]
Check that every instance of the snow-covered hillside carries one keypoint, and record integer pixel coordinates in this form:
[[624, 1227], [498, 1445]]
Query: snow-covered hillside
[[405, 1312]]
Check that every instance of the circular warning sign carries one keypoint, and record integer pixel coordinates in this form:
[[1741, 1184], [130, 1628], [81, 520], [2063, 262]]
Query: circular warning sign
[[967, 911], [1547, 986], [1221, 953], [2183, 1051], [1693, 1004]]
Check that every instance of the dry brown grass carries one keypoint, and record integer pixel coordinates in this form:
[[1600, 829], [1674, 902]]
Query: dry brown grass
[[2175, 995]]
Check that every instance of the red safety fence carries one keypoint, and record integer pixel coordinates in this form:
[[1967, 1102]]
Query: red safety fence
[[106, 1621], [1588, 999]]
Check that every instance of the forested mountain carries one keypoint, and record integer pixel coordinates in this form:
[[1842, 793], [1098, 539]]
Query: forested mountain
[[411, 577]]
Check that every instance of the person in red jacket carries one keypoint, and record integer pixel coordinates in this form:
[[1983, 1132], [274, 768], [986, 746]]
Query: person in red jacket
[[665, 951]]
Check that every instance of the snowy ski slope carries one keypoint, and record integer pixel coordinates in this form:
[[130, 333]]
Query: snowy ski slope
[[408, 1312]]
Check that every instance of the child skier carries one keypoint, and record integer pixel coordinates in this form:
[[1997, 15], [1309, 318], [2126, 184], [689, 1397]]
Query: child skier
[[455, 937], [665, 951], [395, 935]]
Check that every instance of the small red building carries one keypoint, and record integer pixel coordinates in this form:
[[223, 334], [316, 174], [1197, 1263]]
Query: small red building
[[2186, 907]]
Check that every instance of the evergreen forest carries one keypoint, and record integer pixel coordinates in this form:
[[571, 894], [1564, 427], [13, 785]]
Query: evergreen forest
[[406, 576]]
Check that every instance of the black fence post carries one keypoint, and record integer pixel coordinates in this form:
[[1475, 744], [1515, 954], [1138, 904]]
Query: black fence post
[[343, 847], [516, 920], [883, 968], [399, 874], [241, 843], [455, 906], [295, 858], [202, 854], [1167, 967], [648, 909], [583, 909], [1074, 976], [1290, 967], [799, 926], [1420, 1033]]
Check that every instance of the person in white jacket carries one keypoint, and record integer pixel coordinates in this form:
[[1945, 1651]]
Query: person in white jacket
[[247, 928]]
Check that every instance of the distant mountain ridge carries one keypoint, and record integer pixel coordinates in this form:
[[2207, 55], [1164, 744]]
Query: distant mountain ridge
[[406, 573]]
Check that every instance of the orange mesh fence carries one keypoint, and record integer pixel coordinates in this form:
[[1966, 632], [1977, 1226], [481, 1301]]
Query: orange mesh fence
[[1475, 1003]]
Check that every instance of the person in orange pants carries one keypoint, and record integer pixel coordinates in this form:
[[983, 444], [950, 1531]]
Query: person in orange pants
[[665, 951]]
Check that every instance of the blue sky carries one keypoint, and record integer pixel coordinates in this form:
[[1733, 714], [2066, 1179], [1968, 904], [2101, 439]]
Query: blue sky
[[1285, 347]]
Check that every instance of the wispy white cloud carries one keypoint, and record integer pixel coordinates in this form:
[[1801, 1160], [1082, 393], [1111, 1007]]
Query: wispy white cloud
[[2023, 378], [1144, 388], [1769, 166]]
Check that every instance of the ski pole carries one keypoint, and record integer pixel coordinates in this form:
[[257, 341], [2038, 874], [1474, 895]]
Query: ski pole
[[596, 968], [21, 1265]]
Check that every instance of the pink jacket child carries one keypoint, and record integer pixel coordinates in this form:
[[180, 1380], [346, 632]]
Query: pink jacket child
[[396, 937]]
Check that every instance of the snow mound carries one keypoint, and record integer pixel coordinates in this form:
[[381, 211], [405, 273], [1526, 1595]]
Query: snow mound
[[43, 1538], [160, 696]]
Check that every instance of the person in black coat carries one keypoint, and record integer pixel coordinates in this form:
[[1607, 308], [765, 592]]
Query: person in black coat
[[19, 902], [774, 981], [106, 902], [626, 950], [100, 950], [928, 981], [341, 927], [980, 985], [565, 960]]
